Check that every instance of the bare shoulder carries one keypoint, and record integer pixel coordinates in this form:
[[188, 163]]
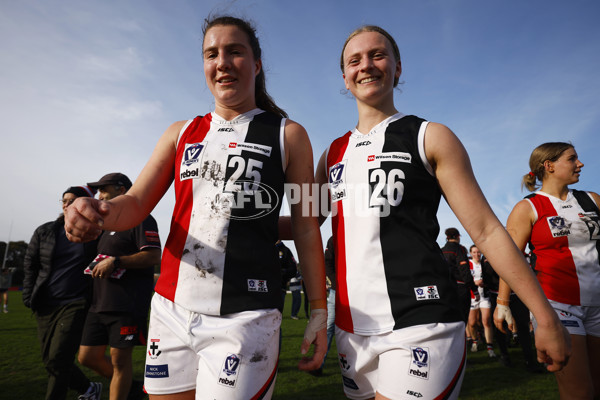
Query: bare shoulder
[[441, 142], [522, 211], [294, 131]]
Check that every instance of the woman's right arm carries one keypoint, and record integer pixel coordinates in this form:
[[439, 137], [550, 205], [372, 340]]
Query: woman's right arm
[[87, 217]]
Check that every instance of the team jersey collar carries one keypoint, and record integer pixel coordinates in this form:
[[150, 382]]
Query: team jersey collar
[[240, 119], [569, 195], [380, 127]]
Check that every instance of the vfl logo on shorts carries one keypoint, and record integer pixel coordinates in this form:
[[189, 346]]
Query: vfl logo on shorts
[[257, 285], [419, 366], [337, 181], [231, 368], [427, 293], [559, 227]]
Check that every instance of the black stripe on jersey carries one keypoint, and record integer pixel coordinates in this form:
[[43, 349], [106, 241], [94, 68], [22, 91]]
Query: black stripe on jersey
[[588, 205], [412, 257], [250, 252]]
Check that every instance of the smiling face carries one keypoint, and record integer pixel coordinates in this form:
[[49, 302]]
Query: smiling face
[[566, 168], [475, 254], [370, 67], [230, 69]]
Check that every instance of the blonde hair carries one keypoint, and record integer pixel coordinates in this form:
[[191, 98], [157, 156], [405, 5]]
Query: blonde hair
[[550, 151]]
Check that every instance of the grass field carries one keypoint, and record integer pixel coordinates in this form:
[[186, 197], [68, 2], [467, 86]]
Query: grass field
[[22, 376]]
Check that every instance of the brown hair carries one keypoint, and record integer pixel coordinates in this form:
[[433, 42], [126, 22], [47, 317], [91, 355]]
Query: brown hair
[[550, 151], [372, 28], [451, 233], [261, 96]]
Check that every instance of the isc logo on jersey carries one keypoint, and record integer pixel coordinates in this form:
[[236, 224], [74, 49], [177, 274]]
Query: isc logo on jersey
[[231, 368], [192, 155], [419, 366], [257, 285], [337, 181], [559, 226], [427, 293]]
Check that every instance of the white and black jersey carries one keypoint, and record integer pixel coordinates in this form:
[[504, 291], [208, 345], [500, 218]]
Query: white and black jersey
[[390, 271]]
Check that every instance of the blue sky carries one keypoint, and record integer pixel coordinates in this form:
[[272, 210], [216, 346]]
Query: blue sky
[[88, 87]]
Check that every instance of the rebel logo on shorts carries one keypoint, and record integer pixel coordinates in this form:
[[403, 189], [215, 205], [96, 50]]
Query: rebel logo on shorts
[[419, 367], [229, 372]]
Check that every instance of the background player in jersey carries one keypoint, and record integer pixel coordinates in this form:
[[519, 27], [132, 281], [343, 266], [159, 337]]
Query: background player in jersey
[[214, 323], [123, 287], [401, 334], [562, 225], [480, 313]]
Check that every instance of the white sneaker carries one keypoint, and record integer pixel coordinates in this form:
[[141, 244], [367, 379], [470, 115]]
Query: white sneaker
[[474, 347], [491, 353], [93, 393]]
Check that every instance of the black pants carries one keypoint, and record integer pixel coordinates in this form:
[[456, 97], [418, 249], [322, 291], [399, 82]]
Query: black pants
[[520, 314], [464, 301], [59, 332]]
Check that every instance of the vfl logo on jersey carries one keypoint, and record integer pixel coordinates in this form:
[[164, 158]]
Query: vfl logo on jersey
[[153, 351], [337, 181], [192, 155], [257, 285], [253, 147], [427, 293], [559, 227], [231, 368], [365, 143], [419, 366]]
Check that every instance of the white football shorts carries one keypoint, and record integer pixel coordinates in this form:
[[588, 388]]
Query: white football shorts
[[423, 361], [223, 357]]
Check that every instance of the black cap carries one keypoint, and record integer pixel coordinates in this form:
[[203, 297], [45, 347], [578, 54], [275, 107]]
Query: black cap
[[114, 178], [451, 233], [81, 191]]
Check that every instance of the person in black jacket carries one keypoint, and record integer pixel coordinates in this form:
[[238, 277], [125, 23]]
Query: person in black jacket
[[288, 267], [456, 255], [58, 293]]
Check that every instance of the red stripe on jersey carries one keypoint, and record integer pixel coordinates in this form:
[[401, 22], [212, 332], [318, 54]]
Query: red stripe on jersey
[[343, 316], [446, 394], [263, 390], [167, 282], [554, 265]]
